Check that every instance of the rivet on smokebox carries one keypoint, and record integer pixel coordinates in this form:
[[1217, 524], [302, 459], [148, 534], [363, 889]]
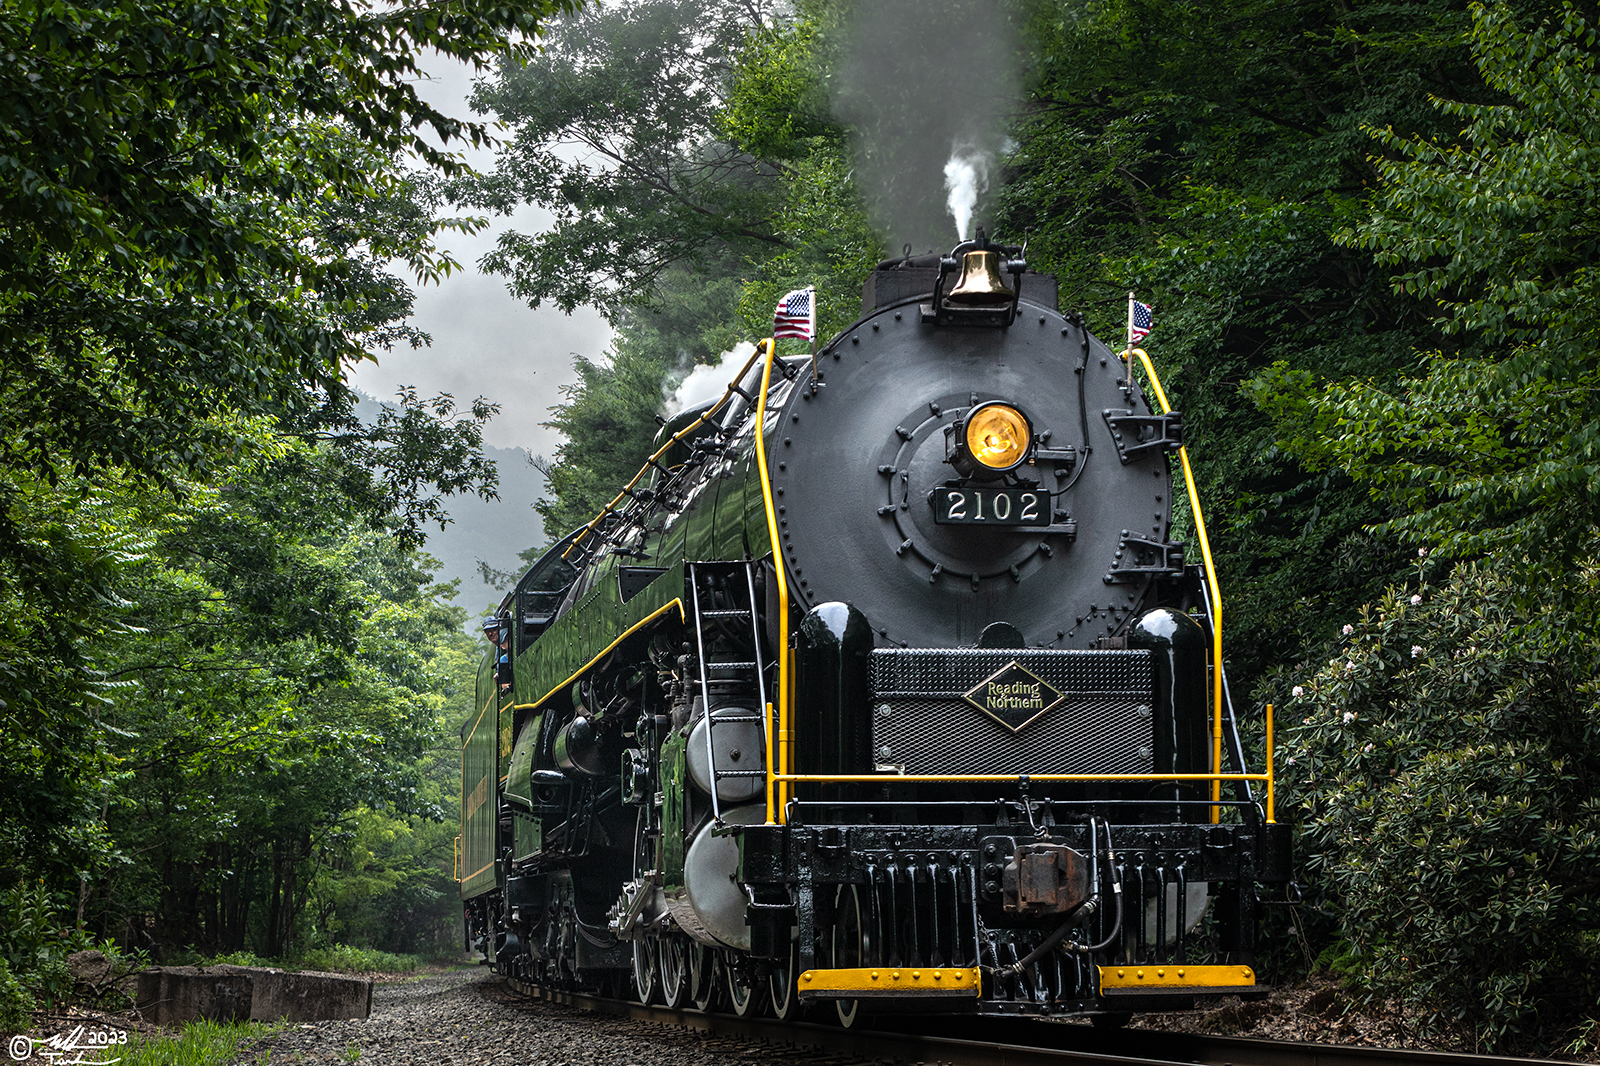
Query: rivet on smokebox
[[874, 975]]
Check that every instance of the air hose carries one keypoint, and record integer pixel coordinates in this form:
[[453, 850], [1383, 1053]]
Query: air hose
[[1082, 912]]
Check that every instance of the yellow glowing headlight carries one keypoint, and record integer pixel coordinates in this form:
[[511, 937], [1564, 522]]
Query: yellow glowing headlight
[[998, 436]]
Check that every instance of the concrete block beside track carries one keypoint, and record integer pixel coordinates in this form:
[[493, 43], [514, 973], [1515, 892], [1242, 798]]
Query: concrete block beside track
[[310, 997], [172, 995]]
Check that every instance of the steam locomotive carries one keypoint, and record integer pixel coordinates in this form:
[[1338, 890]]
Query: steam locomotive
[[882, 688]]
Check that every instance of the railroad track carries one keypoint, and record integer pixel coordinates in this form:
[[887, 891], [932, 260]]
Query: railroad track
[[1008, 1042]]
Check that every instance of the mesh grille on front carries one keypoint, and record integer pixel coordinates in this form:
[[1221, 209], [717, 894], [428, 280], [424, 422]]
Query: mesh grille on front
[[921, 722]]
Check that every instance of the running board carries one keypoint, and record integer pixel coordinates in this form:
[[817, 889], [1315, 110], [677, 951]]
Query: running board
[[871, 981], [1179, 979]]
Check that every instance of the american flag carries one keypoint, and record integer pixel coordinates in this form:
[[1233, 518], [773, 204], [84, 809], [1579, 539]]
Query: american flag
[[796, 315], [1143, 319]]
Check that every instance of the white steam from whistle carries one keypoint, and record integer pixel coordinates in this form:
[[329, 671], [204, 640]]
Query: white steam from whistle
[[966, 176]]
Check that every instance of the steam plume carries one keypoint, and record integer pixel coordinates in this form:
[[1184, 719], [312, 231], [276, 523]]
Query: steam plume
[[966, 176], [705, 382]]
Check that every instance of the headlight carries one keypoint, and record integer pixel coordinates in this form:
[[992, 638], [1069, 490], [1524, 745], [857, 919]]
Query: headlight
[[997, 436]]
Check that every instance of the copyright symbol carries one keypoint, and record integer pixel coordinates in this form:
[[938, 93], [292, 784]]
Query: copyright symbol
[[21, 1047]]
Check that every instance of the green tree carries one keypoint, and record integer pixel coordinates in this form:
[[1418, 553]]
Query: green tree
[[1494, 447], [614, 133], [1445, 757], [181, 181], [276, 689], [200, 203]]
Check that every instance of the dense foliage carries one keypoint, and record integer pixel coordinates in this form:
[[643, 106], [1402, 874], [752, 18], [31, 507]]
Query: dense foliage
[[1495, 448], [221, 660], [1453, 740], [1446, 761]]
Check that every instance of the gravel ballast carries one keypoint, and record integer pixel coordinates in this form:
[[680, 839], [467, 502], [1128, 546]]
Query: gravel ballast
[[470, 1018]]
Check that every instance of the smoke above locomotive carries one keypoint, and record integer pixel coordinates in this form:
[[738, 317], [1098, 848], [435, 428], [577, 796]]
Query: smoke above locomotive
[[883, 682], [927, 87]]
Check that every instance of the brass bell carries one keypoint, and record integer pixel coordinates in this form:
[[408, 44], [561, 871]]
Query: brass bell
[[980, 284]]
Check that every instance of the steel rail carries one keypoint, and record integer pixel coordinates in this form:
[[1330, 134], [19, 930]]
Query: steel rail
[[1017, 1042]]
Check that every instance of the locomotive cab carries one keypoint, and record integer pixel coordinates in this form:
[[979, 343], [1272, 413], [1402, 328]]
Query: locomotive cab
[[540, 591]]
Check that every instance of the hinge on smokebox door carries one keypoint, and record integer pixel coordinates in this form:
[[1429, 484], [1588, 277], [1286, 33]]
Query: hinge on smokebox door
[[1140, 557], [1134, 435]]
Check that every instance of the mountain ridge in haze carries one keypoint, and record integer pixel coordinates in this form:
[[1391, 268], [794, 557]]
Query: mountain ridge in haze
[[488, 531]]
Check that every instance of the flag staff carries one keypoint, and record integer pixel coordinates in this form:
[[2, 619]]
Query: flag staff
[[1130, 342], [811, 290]]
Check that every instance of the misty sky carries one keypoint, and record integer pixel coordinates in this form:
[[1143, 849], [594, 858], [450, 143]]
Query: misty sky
[[485, 342]]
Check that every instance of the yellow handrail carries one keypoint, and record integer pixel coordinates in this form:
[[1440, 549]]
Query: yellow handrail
[[1213, 592], [659, 452], [776, 793], [1271, 812]]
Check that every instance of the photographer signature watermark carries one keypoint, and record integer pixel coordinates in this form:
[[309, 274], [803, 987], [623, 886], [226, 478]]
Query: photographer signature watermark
[[81, 1047]]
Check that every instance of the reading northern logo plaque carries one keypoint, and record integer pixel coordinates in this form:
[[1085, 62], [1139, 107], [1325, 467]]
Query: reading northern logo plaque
[[1013, 697]]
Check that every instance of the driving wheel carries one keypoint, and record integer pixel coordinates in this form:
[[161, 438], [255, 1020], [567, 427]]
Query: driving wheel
[[741, 984], [702, 976], [672, 965], [645, 983], [781, 982], [851, 947]]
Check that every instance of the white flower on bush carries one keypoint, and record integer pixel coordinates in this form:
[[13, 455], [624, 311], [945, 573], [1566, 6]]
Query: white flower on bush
[[1366, 750], [1416, 599], [1299, 690], [1422, 553], [1349, 716], [1416, 651], [1289, 761], [1348, 629], [1349, 666]]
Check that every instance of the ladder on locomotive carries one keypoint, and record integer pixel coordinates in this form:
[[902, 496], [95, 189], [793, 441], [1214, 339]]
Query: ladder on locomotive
[[728, 669]]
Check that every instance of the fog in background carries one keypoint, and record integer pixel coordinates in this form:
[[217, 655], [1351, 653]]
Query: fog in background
[[927, 83], [486, 343]]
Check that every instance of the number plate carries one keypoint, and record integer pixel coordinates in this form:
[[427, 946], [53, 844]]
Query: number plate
[[991, 507]]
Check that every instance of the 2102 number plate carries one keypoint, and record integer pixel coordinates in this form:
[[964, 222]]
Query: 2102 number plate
[[991, 507]]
